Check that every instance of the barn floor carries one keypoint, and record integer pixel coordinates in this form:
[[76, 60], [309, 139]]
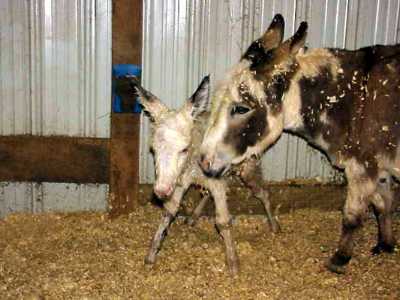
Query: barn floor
[[56, 256]]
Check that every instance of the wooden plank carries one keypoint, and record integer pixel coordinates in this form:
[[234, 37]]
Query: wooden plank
[[54, 159], [284, 198]]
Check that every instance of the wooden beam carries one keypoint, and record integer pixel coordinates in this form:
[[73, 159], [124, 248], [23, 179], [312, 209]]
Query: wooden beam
[[125, 128], [124, 163], [127, 31], [54, 159]]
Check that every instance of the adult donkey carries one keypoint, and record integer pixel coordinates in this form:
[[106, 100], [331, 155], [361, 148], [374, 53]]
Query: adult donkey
[[346, 103]]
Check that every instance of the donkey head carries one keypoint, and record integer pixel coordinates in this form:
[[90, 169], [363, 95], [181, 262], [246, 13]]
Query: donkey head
[[246, 113], [172, 134]]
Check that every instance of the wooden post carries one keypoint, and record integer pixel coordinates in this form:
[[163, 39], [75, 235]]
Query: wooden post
[[124, 163], [125, 128]]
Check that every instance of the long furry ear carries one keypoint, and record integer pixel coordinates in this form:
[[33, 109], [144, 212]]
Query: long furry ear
[[150, 103], [199, 101], [273, 36], [297, 41], [271, 39]]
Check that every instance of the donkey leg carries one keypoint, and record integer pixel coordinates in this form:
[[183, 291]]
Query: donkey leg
[[382, 205], [224, 224], [251, 176], [192, 220], [358, 191], [171, 207]]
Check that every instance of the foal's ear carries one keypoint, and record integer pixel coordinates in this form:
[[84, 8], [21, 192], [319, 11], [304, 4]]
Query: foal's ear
[[150, 103], [199, 101]]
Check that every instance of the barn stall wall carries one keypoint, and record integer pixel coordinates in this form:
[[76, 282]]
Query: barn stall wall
[[187, 39], [55, 66]]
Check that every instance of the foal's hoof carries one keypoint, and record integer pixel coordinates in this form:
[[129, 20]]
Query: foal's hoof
[[233, 269], [149, 261], [382, 247], [233, 265], [275, 227]]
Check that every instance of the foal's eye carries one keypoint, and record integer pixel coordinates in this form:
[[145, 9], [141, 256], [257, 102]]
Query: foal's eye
[[184, 151], [238, 109]]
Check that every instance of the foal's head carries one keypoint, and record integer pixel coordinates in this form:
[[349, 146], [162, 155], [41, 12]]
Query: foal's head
[[172, 134]]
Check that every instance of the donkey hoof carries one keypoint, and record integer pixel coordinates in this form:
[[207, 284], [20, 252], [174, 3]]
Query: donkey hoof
[[338, 269], [382, 247], [337, 263]]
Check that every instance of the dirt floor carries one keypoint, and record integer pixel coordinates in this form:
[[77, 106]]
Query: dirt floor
[[88, 256]]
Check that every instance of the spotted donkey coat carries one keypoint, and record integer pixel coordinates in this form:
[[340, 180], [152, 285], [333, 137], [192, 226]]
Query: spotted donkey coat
[[346, 103], [176, 138]]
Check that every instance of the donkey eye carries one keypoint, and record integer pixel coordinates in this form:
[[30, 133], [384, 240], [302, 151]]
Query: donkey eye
[[184, 151], [279, 80], [238, 109]]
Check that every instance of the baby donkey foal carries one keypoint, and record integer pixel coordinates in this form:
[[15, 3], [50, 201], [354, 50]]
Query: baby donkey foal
[[176, 138]]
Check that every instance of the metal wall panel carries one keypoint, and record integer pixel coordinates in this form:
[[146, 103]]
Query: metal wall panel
[[186, 39], [55, 63], [45, 197], [55, 79]]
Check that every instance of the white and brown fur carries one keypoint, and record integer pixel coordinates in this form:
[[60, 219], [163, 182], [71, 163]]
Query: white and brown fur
[[346, 103], [176, 138]]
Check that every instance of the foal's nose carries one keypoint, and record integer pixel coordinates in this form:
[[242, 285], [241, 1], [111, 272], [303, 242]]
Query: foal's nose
[[163, 191]]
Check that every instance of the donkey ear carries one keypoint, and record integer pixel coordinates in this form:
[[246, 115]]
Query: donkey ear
[[273, 37], [296, 42], [151, 104], [199, 101], [299, 39]]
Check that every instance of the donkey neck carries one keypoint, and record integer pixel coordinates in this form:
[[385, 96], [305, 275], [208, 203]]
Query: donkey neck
[[318, 104], [314, 66]]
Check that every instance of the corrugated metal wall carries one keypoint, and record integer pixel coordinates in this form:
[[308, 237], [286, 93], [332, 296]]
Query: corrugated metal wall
[[55, 70], [186, 39]]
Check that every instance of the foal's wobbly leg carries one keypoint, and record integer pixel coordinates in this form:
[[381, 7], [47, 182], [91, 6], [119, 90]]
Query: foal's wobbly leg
[[382, 205], [192, 220], [224, 224], [251, 176], [171, 208], [359, 189]]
